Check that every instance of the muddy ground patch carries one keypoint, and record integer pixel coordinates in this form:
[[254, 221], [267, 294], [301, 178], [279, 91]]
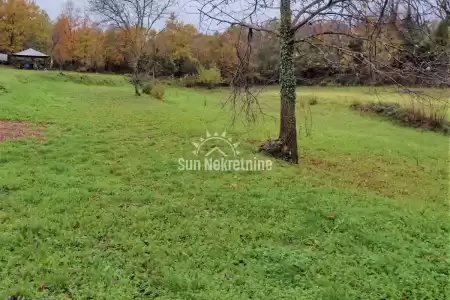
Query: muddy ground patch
[[11, 130]]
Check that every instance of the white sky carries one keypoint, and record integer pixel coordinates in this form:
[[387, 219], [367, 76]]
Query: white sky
[[54, 7]]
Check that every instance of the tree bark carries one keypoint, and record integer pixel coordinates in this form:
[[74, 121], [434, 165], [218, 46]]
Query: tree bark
[[288, 127], [136, 85], [285, 147], [136, 77]]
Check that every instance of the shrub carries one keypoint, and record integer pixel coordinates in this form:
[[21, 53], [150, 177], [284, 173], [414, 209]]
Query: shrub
[[308, 101], [169, 81], [209, 77], [188, 80], [148, 87], [158, 91], [145, 78], [86, 78], [405, 116], [379, 108], [313, 100], [3, 89], [355, 103]]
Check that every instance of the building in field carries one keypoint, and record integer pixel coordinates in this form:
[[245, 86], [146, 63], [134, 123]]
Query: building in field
[[3, 58], [30, 59]]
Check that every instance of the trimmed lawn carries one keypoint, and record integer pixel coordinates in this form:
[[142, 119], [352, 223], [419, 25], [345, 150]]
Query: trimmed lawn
[[97, 209]]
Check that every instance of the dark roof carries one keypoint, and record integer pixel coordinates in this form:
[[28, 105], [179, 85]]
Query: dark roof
[[31, 53]]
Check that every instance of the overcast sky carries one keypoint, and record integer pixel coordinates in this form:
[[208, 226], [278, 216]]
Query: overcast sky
[[54, 8]]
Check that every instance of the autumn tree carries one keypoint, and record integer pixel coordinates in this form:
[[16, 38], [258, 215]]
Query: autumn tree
[[63, 37], [38, 37], [63, 42], [221, 51], [89, 44], [176, 41], [114, 50], [135, 19], [22, 23]]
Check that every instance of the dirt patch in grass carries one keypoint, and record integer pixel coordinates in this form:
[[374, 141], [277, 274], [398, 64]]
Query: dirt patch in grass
[[11, 130]]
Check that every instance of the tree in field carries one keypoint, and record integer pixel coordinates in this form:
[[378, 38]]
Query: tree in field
[[38, 36], [215, 50], [293, 15], [135, 19], [63, 41], [335, 43], [89, 43], [176, 41], [63, 36], [22, 23]]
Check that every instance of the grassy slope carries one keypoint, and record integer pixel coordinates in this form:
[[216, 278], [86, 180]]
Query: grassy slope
[[100, 209]]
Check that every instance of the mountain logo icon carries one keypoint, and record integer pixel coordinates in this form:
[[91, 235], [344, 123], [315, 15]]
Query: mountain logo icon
[[214, 138]]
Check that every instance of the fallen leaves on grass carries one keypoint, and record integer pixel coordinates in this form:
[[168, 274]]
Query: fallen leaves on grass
[[331, 216], [234, 185], [392, 178]]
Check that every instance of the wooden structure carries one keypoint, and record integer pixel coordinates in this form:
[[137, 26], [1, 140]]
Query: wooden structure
[[30, 55]]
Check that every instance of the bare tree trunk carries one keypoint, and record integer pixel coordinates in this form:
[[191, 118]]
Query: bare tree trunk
[[136, 84], [288, 128], [136, 78]]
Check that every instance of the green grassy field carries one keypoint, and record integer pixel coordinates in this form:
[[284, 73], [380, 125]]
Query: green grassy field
[[99, 210]]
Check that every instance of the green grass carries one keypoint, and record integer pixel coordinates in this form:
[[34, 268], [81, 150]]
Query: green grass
[[99, 209]]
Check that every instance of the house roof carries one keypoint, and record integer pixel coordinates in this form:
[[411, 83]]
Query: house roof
[[31, 53]]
